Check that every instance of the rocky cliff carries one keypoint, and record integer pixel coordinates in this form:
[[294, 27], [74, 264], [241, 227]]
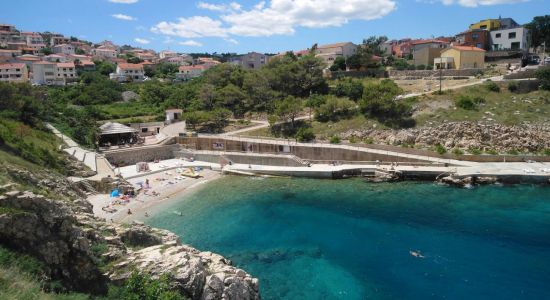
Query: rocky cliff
[[87, 254], [465, 135]]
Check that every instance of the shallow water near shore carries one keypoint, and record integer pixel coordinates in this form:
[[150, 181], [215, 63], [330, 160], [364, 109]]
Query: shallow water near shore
[[348, 239]]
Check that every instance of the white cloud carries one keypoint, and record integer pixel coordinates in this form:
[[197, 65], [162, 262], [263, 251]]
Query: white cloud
[[232, 41], [124, 1], [142, 41], [276, 17], [233, 6], [283, 16], [191, 43], [192, 27], [123, 17], [475, 3]]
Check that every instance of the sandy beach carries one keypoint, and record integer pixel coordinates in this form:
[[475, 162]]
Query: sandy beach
[[169, 185]]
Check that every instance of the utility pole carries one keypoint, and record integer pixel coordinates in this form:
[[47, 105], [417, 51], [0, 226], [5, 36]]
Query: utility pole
[[440, 77]]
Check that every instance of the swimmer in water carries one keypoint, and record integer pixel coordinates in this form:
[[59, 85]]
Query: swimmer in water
[[416, 254]]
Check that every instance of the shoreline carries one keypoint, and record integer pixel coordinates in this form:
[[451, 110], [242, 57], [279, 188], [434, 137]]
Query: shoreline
[[148, 203]]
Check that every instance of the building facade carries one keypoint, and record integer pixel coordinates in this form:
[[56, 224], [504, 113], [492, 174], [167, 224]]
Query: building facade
[[460, 57], [128, 73], [16, 72], [190, 72], [250, 61], [425, 51], [509, 39], [328, 53], [67, 49]]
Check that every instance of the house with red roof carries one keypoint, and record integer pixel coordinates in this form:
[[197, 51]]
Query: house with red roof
[[460, 57], [126, 72]]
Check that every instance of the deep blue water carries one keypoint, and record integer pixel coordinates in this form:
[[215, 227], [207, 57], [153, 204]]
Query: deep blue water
[[348, 239]]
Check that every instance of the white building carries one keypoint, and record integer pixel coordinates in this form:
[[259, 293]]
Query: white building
[[128, 72], [173, 115], [66, 70], [167, 54], [328, 53], [14, 72], [509, 39], [32, 38], [67, 49], [59, 39]]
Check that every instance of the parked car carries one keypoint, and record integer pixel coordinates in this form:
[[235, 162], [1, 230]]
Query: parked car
[[547, 60]]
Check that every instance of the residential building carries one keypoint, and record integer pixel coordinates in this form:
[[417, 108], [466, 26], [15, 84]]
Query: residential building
[[460, 57], [58, 39], [84, 65], [32, 38], [128, 72], [27, 59], [15, 72], [55, 58], [328, 53], [386, 47], [402, 48], [176, 60], [67, 49], [32, 51], [479, 38], [10, 53], [424, 51], [7, 27], [208, 62], [44, 72], [489, 24], [148, 129], [509, 39], [146, 56], [174, 115], [252, 60], [167, 54], [8, 33], [190, 72], [66, 70], [104, 52], [17, 45]]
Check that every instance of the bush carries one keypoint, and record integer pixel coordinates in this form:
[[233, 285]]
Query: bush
[[469, 103], [353, 139], [513, 152], [474, 150], [369, 140], [492, 152], [305, 135], [440, 149], [543, 74], [492, 87], [334, 139], [546, 152], [457, 151], [140, 286], [421, 67], [513, 86]]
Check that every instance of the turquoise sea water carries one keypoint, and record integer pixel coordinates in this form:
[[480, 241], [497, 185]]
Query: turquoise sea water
[[348, 239]]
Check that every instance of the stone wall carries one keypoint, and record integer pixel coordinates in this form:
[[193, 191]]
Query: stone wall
[[303, 152], [130, 156], [434, 73]]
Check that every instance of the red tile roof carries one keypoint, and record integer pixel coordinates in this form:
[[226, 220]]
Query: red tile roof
[[12, 66], [189, 68], [418, 42], [65, 65], [126, 66], [467, 48]]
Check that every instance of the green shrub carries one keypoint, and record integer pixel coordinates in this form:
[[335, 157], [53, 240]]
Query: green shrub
[[369, 140], [421, 67], [543, 74], [492, 87], [353, 139], [492, 152], [305, 135], [440, 149], [513, 152], [335, 139], [474, 150], [546, 152], [143, 287], [513, 86], [469, 103], [457, 151]]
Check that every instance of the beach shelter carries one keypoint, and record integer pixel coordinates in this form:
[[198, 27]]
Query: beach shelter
[[112, 133]]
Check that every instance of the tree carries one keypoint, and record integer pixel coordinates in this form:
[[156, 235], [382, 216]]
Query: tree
[[46, 51], [220, 118], [379, 101], [207, 96], [334, 108], [288, 109], [361, 60], [232, 98], [373, 44], [339, 64], [539, 30], [105, 67], [543, 74], [349, 87]]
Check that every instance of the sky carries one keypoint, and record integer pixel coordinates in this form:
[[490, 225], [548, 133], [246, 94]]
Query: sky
[[269, 26]]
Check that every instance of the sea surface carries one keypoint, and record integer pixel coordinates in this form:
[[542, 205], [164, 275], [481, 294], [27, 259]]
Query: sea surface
[[348, 239]]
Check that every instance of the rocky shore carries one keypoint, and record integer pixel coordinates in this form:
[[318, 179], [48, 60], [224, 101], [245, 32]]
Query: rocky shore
[[87, 254], [464, 136]]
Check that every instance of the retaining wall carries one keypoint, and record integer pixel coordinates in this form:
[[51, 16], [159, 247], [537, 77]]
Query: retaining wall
[[130, 156], [434, 73]]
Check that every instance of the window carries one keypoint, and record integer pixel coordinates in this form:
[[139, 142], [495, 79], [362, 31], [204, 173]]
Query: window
[[515, 46], [475, 36], [498, 35], [483, 27], [479, 45], [144, 130], [512, 35]]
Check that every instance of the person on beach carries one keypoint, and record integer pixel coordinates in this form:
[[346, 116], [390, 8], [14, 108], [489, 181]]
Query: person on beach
[[146, 215], [129, 211]]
